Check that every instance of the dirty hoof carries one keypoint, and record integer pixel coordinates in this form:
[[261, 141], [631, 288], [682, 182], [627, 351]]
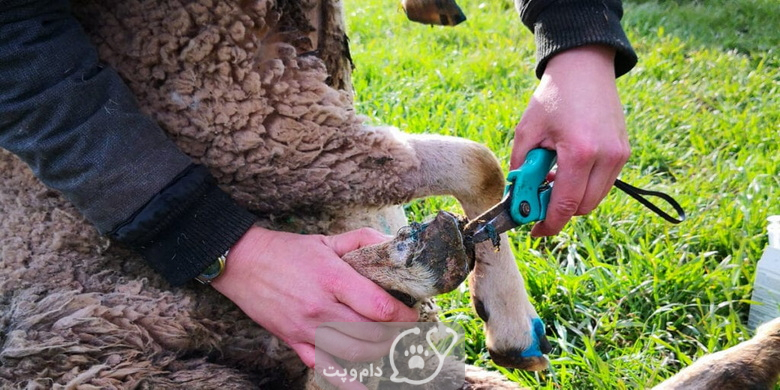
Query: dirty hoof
[[422, 261], [529, 359], [438, 246]]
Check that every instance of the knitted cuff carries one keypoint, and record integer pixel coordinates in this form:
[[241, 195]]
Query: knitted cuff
[[574, 24], [185, 227]]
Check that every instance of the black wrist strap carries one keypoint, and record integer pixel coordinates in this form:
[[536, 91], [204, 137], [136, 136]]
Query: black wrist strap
[[637, 193]]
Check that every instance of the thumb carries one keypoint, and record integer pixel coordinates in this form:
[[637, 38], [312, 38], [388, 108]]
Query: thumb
[[531, 132], [523, 143], [355, 239], [306, 352]]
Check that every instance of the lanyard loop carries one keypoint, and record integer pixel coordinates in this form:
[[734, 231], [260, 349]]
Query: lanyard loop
[[637, 193]]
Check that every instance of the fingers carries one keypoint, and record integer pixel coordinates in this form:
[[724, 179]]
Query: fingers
[[527, 136], [305, 351], [338, 341], [571, 182], [582, 180], [374, 332], [372, 302], [349, 241], [327, 366], [519, 151], [602, 177], [358, 292]]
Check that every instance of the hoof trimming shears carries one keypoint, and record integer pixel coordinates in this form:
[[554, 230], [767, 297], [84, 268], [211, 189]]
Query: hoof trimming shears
[[528, 194]]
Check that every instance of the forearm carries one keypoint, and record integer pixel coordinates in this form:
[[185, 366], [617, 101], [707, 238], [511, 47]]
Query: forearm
[[74, 121], [564, 24], [76, 124]]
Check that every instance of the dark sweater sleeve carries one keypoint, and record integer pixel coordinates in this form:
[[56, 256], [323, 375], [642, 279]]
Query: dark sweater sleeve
[[559, 25], [77, 125]]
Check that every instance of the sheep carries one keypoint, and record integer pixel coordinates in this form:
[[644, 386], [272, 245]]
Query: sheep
[[223, 79], [752, 364], [258, 91]]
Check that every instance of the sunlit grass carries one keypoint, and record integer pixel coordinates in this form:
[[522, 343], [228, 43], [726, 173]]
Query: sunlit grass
[[627, 298]]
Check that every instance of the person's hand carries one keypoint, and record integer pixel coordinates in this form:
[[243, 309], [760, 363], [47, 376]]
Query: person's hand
[[290, 284], [575, 111]]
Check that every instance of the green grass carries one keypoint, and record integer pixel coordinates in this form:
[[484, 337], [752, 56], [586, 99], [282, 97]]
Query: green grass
[[627, 298]]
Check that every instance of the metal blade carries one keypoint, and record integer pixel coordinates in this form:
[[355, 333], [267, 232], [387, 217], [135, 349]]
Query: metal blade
[[491, 223]]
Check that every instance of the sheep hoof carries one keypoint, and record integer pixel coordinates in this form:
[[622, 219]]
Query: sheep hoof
[[530, 359], [437, 12], [422, 261], [440, 248]]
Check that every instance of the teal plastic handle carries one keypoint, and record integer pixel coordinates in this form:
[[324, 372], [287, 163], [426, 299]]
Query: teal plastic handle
[[529, 204]]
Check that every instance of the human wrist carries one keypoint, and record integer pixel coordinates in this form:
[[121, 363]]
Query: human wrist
[[591, 59], [237, 261]]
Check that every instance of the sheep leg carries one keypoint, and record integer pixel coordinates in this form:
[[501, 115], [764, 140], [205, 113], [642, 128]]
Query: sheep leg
[[470, 172], [752, 364]]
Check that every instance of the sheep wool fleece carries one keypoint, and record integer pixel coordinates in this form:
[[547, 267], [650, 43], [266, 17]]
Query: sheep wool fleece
[[252, 90], [226, 88], [217, 77]]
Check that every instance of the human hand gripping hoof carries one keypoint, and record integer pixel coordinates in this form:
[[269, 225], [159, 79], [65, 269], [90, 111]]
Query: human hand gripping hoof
[[422, 261]]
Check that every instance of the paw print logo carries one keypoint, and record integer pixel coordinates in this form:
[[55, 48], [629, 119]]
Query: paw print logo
[[417, 355], [417, 352]]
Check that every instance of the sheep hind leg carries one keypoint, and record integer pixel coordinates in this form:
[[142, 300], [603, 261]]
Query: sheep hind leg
[[752, 364], [470, 172], [514, 334]]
